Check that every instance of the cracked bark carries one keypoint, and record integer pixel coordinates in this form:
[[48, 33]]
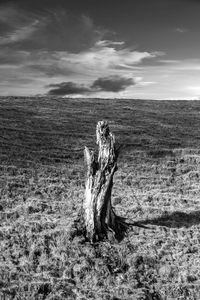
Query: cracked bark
[[99, 217]]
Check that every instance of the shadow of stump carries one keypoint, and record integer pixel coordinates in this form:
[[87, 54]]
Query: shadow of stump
[[176, 219]]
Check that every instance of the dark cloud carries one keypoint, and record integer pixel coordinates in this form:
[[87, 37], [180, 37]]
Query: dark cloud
[[112, 83], [68, 88]]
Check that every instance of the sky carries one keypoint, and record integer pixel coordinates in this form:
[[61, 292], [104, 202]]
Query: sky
[[139, 49]]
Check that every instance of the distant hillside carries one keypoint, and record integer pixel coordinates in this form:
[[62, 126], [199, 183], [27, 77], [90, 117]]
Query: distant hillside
[[53, 130]]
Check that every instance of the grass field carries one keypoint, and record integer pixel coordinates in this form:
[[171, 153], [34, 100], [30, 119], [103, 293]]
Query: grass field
[[42, 189]]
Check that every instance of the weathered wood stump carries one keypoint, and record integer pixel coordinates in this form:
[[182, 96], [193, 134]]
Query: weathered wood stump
[[99, 218]]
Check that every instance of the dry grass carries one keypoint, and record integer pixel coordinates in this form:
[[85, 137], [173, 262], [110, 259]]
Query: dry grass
[[42, 188]]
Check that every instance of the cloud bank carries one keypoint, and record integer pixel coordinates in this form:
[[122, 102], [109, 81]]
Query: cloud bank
[[67, 88], [113, 84]]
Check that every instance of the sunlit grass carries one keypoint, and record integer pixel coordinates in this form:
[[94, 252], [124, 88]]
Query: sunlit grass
[[42, 189]]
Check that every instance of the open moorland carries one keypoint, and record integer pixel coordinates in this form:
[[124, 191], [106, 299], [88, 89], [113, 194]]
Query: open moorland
[[42, 188]]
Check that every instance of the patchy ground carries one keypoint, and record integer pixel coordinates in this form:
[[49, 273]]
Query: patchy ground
[[42, 188]]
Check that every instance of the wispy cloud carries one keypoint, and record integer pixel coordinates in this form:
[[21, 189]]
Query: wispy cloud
[[169, 61], [16, 24], [104, 43], [47, 29], [20, 34], [105, 58]]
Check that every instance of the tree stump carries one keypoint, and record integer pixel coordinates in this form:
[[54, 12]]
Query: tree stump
[[99, 218]]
